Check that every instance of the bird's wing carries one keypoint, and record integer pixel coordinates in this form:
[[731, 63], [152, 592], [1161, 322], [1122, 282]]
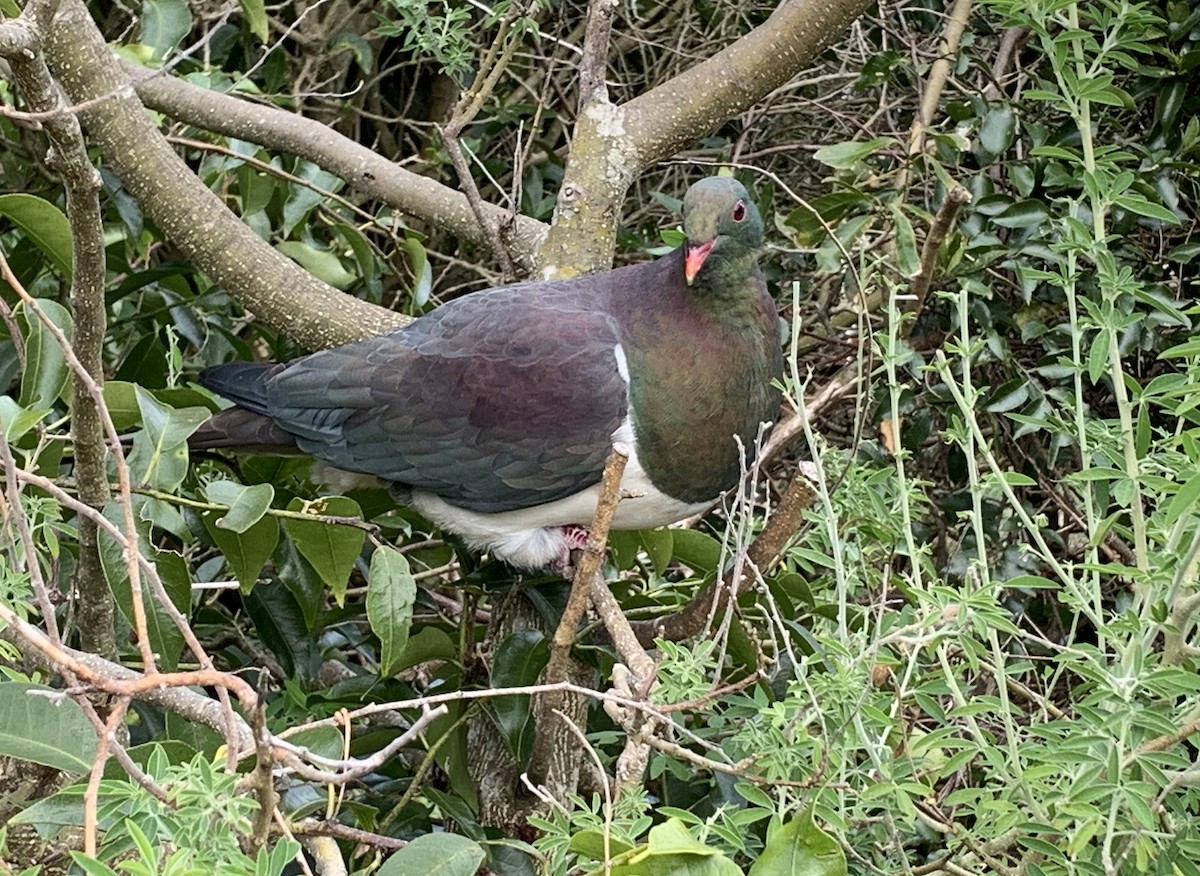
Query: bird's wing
[[501, 402]]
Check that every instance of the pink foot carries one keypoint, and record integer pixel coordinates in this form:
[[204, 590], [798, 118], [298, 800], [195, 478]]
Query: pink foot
[[575, 537]]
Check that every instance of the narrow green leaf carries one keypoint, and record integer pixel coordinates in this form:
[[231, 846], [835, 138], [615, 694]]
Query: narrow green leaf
[[908, 259], [40, 725], [842, 156], [1098, 356], [391, 594]]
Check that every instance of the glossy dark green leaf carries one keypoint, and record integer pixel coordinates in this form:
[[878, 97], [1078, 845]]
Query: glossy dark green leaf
[[44, 224], [998, 129], [807, 224], [519, 660], [46, 371], [658, 544], [391, 595], [697, 550], [280, 625], [331, 548], [247, 551], [1023, 214]]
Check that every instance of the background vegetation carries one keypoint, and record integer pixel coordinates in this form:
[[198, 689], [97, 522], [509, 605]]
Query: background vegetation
[[965, 642]]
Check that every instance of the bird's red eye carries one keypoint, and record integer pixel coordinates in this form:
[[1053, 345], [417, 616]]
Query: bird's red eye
[[739, 211]]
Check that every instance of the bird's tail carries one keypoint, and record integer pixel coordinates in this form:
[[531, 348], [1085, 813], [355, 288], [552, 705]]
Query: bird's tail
[[243, 383], [247, 426]]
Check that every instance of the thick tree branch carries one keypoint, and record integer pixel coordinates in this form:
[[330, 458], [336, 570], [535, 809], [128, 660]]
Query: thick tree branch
[[68, 156], [673, 115], [368, 172], [193, 218]]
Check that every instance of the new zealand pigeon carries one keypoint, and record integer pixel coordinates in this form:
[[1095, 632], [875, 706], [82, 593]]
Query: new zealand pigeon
[[493, 415]]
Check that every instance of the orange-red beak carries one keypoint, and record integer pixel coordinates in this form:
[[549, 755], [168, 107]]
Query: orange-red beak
[[694, 260]]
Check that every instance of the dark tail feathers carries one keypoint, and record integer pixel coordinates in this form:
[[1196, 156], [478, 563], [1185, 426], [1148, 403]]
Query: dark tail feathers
[[243, 383], [248, 426]]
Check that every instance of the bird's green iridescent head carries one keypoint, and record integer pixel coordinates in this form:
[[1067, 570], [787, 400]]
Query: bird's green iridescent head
[[721, 224]]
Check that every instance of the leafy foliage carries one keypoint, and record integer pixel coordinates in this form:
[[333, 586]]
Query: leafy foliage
[[980, 650]]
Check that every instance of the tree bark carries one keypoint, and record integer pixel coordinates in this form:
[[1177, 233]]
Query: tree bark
[[278, 291]]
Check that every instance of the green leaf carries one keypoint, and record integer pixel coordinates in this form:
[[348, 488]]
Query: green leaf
[[590, 844], [519, 660], [15, 420], [44, 224], [247, 551], [46, 371], [330, 548], [91, 866], [1098, 356], [696, 550], [658, 544], [1184, 499], [800, 848], [247, 505], [997, 130], [120, 397], [435, 854], [364, 53], [321, 263], [391, 594], [1143, 207], [908, 259], [166, 640], [843, 156], [807, 223], [1031, 582], [1186, 349], [164, 25], [1023, 214], [41, 725], [159, 457], [256, 17]]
